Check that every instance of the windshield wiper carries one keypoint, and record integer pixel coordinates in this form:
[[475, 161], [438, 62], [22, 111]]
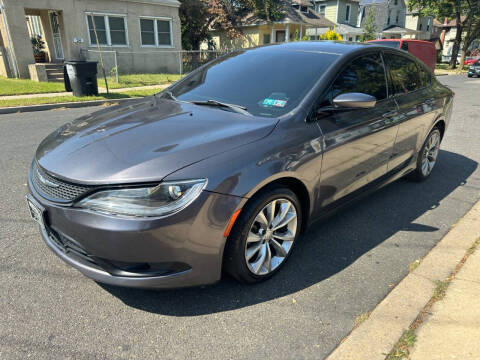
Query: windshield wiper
[[166, 95], [236, 108]]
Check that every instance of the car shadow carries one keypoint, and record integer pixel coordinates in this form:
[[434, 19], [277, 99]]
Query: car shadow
[[356, 230]]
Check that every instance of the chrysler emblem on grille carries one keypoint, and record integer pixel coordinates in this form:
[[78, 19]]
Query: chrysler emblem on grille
[[45, 181]]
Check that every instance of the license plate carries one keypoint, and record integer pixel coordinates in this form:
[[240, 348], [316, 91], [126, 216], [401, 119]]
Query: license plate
[[36, 211]]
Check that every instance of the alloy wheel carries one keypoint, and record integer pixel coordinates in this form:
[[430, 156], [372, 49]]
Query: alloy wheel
[[430, 153], [271, 236]]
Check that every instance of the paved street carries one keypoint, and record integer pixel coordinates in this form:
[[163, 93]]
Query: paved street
[[341, 268]]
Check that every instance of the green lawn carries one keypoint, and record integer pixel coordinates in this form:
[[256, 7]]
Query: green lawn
[[21, 87], [133, 80], [69, 98]]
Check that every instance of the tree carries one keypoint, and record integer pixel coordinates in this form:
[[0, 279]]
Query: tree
[[196, 20], [331, 35], [270, 10], [199, 17], [370, 26], [465, 12]]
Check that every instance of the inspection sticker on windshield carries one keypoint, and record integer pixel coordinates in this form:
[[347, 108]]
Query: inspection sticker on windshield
[[274, 102]]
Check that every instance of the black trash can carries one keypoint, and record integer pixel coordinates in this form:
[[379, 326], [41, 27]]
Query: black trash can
[[81, 77]]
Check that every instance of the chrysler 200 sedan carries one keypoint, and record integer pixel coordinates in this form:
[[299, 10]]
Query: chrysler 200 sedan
[[223, 170]]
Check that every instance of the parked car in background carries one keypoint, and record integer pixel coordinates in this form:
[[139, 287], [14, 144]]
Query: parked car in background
[[474, 69], [424, 50], [225, 168], [471, 60]]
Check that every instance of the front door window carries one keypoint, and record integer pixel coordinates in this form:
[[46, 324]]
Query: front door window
[[57, 38]]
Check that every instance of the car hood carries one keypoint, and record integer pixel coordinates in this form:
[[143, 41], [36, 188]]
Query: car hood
[[144, 141]]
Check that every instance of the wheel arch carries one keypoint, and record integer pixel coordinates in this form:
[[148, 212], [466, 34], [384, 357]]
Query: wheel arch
[[294, 184]]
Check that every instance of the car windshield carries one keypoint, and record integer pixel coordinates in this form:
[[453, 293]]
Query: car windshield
[[392, 44], [267, 82]]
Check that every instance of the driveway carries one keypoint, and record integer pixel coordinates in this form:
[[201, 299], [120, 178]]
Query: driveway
[[342, 267]]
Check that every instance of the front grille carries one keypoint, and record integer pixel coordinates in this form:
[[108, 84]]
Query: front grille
[[55, 189]]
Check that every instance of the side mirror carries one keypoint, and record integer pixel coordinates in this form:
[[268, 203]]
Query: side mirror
[[354, 101]]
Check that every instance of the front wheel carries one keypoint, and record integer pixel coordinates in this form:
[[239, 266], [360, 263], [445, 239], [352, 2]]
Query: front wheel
[[263, 235], [427, 158]]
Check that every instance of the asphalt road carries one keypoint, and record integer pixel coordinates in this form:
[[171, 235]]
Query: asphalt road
[[340, 269]]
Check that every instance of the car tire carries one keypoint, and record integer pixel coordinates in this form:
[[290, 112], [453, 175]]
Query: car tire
[[427, 157], [251, 240]]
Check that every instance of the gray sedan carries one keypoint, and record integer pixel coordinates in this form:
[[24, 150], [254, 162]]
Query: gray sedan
[[226, 168]]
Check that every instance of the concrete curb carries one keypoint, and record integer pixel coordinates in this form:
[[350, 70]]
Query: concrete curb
[[68, 105], [375, 338]]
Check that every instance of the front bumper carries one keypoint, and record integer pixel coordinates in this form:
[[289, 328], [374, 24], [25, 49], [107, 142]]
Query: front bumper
[[182, 250]]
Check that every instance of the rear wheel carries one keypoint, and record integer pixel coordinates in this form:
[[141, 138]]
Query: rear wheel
[[427, 158], [263, 236]]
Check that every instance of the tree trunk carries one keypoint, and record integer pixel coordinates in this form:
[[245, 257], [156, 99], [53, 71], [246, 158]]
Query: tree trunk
[[458, 37], [456, 46]]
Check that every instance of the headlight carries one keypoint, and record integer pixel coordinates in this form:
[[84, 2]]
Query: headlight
[[159, 201]]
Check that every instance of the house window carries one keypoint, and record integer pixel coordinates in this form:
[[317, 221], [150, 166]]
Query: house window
[[398, 17], [111, 30], [347, 13], [266, 38], [389, 17], [156, 32], [304, 9], [420, 27], [296, 6], [395, 2], [428, 23], [321, 9]]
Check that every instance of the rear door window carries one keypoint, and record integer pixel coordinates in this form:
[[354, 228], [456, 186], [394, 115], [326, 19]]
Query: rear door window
[[425, 77], [404, 73]]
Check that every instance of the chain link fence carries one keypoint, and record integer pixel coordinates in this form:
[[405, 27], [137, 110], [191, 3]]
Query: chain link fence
[[153, 62]]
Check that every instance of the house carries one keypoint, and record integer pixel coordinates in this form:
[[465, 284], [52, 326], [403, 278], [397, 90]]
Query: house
[[390, 18], [344, 13], [299, 18], [135, 35], [447, 31], [423, 25], [338, 11]]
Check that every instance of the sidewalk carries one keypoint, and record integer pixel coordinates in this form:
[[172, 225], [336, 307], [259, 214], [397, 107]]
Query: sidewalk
[[433, 313], [100, 89], [453, 329]]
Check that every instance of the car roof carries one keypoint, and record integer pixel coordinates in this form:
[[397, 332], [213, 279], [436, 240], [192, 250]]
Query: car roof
[[402, 40], [333, 47]]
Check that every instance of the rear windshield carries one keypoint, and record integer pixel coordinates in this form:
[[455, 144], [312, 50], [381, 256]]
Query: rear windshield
[[392, 44], [269, 82]]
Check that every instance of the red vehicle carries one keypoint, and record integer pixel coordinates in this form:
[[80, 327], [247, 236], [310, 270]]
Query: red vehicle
[[471, 60], [424, 50]]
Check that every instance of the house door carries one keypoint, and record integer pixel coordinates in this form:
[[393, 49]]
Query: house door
[[57, 38], [280, 36]]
